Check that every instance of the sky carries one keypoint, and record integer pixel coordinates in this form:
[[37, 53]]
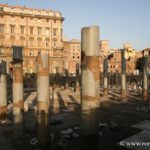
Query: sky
[[120, 21]]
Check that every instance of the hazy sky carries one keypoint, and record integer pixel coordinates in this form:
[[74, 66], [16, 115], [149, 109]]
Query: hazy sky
[[120, 21]]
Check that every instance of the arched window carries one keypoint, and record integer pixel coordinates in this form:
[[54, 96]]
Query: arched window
[[31, 41], [47, 40], [22, 41]]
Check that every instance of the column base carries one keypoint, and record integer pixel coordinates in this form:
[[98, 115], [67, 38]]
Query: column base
[[18, 126], [42, 122], [123, 94], [78, 89], [66, 86], [3, 112], [105, 93], [145, 95]]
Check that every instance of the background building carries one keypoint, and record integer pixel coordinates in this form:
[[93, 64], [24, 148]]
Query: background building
[[33, 29], [104, 48], [72, 55]]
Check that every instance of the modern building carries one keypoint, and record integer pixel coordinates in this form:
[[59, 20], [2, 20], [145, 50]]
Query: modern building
[[72, 55], [35, 30]]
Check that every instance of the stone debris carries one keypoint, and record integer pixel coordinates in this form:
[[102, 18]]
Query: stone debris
[[75, 135], [63, 143], [142, 109], [67, 134], [52, 136], [66, 110], [68, 131], [100, 133], [113, 126], [33, 141], [76, 128], [103, 125], [137, 108]]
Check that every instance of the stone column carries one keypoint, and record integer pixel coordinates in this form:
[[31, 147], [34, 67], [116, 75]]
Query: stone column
[[145, 79], [77, 77], [105, 75], [3, 92], [90, 82], [57, 77], [66, 79], [117, 78], [18, 102], [43, 98], [123, 75]]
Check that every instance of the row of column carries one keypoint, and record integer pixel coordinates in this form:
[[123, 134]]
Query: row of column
[[123, 77], [43, 96]]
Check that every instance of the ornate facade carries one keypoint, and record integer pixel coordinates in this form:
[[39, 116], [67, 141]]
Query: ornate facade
[[33, 29], [72, 55]]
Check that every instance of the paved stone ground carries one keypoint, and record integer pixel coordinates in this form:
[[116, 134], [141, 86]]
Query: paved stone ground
[[116, 120]]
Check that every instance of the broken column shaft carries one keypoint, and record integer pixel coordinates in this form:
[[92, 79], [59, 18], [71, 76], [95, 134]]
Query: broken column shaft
[[105, 75], [66, 76], [43, 98], [77, 77], [145, 79], [90, 82], [18, 103], [123, 75], [3, 92]]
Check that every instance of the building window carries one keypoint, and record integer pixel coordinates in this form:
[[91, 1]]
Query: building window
[[12, 17], [31, 52], [1, 28], [31, 41], [12, 39], [39, 43], [12, 29], [47, 20], [1, 51], [54, 32], [22, 40], [39, 30], [22, 29], [47, 43], [47, 31], [54, 44], [31, 30]]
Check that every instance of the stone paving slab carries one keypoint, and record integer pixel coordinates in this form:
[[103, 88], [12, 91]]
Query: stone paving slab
[[144, 125]]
